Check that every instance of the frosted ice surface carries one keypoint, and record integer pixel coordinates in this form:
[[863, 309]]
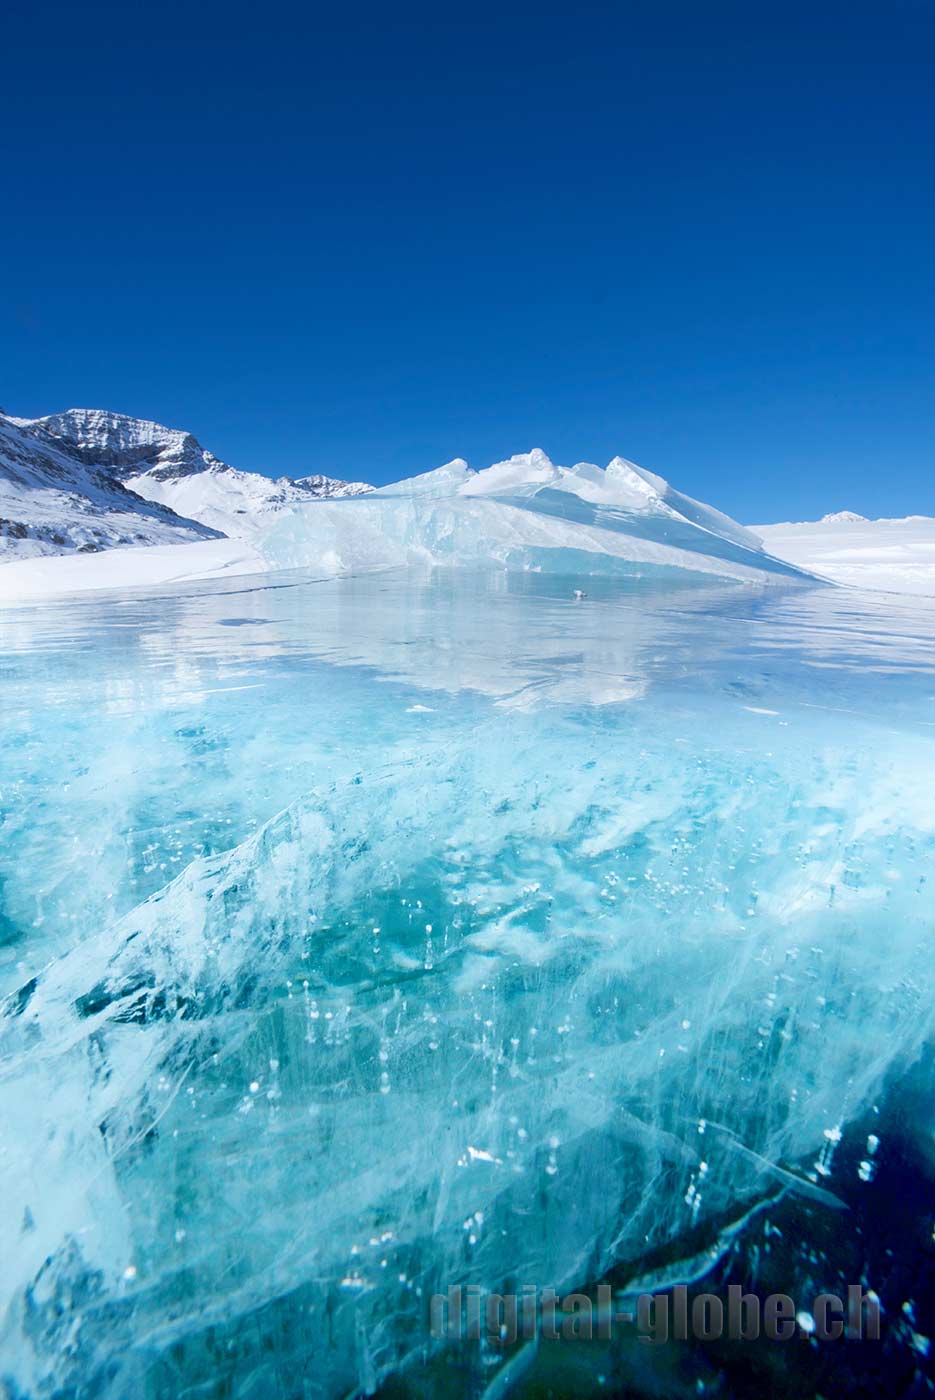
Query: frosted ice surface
[[369, 935]]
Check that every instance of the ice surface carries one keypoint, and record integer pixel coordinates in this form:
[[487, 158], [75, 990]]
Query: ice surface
[[368, 935], [65, 575]]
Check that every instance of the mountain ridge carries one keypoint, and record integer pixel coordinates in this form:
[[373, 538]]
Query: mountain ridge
[[54, 502], [75, 481]]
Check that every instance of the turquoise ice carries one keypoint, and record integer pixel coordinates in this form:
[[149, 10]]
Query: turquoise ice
[[368, 935]]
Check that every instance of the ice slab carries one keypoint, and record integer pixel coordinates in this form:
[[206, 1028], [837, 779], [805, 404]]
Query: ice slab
[[525, 514]]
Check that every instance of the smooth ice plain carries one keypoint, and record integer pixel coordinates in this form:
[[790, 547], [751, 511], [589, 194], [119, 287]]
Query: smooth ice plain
[[367, 935]]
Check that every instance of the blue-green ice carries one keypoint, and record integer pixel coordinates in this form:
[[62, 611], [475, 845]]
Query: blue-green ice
[[362, 936]]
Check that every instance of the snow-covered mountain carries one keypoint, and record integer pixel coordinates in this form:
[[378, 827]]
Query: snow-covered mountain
[[237, 503], [54, 500], [88, 479], [125, 446]]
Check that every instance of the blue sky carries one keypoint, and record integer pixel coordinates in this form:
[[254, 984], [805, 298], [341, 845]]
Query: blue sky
[[366, 240]]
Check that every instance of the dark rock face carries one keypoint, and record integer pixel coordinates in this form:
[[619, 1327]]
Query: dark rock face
[[126, 446]]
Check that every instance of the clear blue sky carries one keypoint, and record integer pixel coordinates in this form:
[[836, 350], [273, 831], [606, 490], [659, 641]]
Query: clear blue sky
[[366, 239]]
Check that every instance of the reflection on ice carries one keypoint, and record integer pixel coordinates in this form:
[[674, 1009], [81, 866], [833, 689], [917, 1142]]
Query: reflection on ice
[[365, 936]]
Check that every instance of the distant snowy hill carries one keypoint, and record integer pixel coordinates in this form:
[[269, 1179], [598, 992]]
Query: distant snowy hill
[[76, 480], [897, 556], [839, 517], [237, 503], [53, 500]]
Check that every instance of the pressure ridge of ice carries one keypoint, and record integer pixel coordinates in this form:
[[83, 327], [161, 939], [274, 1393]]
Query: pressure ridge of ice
[[524, 514]]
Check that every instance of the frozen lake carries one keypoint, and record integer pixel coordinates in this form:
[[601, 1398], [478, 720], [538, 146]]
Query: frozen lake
[[364, 936]]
